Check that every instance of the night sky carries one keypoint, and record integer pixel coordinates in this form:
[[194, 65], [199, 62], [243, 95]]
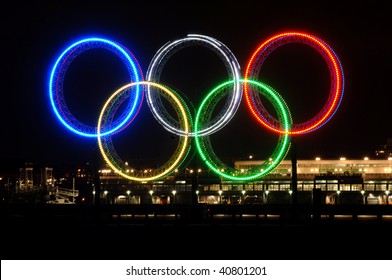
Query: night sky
[[34, 35]]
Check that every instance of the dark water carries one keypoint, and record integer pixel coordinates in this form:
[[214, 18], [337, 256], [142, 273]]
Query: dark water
[[70, 235]]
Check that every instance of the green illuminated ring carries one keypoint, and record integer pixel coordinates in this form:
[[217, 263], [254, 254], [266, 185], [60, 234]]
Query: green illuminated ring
[[104, 141], [203, 143]]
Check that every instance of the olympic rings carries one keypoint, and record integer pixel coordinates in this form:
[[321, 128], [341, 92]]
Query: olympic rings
[[336, 74], [204, 146], [57, 79], [108, 152], [203, 125], [156, 66]]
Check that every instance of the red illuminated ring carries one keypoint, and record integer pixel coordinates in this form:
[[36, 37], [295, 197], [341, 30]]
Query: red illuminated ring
[[336, 77]]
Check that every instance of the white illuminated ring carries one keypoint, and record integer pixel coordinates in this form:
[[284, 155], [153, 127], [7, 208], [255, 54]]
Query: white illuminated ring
[[156, 66]]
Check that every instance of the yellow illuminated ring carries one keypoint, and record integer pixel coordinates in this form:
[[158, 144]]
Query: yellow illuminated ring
[[182, 148]]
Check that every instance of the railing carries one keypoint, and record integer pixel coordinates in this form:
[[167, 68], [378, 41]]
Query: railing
[[67, 192], [26, 189]]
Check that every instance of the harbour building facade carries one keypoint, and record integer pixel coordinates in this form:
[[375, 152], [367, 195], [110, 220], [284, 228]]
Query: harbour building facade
[[340, 181]]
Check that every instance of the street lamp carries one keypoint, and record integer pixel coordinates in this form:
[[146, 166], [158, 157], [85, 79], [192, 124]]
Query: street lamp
[[174, 195], [363, 197], [243, 196], [266, 195], [105, 193], [290, 194], [337, 198], [151, 193], [220, 196], [128, 194]]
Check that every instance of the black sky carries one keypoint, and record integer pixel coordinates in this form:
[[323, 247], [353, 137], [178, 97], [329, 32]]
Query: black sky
[[34, 34]]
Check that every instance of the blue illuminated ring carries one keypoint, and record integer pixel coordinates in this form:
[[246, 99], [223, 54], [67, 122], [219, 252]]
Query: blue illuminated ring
[[57, 80]]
